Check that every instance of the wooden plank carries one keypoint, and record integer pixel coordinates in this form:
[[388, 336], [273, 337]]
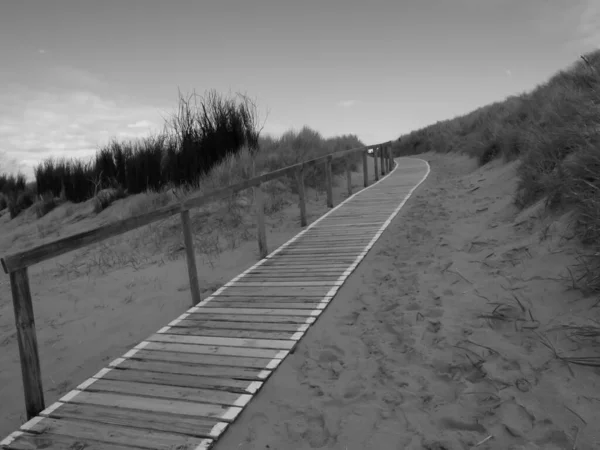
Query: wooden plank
[[252, 312], [67, 244], [301, 196], [329, 182], [265, 299], [315, 274], [274, 264], [301, 291], [197, 365], [271, 305], [317, 251], [112, 434], [219, 327], [196, 395], [214, 350], [265, 278], [31, 373], [274, 283], [365, 167], [245, 334], [207, 316], [48, 441], [190, 257], [172, 379], [223, 341], [376, 166], [348, 180], [170, 423], [260, 221]]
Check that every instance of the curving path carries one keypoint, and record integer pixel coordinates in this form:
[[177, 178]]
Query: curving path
[[181, 387]]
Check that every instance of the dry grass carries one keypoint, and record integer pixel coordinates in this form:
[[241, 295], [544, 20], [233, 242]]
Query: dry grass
[[554, 132]]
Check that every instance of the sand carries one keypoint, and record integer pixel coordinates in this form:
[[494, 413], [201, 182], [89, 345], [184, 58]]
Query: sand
[[403, 357]]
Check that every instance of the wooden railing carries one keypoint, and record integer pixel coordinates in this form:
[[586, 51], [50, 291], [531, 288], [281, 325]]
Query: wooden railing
[[16, 264]]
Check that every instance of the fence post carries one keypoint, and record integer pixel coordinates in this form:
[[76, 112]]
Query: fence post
[[27, 340], [329, 181], [260, 221], [301, 195], [382, 159], [365, 159], [348, 178], [190, 256], [390, 158], [375, 150]]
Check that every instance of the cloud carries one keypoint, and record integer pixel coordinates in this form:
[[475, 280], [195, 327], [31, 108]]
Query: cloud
[[508, 72], [37, 124], [347, 103], [141, 124]]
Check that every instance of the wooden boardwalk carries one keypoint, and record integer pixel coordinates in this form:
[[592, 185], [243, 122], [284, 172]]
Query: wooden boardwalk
[[182, 387]]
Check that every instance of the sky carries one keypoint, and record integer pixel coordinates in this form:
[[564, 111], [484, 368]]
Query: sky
[[76, 73]]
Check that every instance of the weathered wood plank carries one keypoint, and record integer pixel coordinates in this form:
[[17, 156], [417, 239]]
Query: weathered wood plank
[[259, 305], [251, 291], [244, 334], [215, 350], [170, 423], [260, 221], [172, 379], [274, 283], [264, 300], [365, 168], [218, 326], [252, 312], [27, 340], [190, 256], [197, 365], [329, 181], [196, 395], [207, 316], [290, 277], [119, 435], [301, 195], [222, 341]]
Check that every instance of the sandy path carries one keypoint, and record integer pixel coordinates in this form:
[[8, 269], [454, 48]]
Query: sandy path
[[402, 358]]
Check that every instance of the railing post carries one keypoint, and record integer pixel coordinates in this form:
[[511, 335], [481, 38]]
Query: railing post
[[329, 181], [382, 159], [390, 158], [375, 150], [190, 256], [27, 340], [301, 195], [365, 159], [348, 178], [260, 221]]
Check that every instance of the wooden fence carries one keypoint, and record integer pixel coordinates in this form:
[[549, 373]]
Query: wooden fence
[[16, 264]]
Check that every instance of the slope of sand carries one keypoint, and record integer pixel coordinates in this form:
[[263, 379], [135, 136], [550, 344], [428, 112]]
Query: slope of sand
[[434, 343], [93, 305]]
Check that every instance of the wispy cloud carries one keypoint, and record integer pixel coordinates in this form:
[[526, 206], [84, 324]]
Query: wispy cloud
[[37, 124], [347, 103], [141, 124]]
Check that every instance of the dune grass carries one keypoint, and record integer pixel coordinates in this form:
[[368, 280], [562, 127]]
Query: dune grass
[[554, 133]]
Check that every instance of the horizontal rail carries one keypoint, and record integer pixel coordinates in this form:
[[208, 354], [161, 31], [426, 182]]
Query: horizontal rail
[[26, 258]]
